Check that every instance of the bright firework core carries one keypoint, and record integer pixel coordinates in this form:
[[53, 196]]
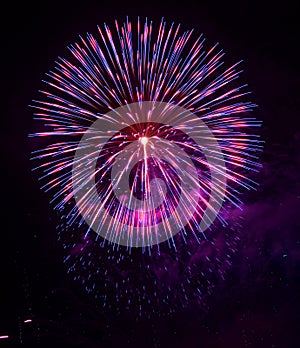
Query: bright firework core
[[144, 140]]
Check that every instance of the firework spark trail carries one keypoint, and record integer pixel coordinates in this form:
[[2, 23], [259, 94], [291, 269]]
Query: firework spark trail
[[120, 78]]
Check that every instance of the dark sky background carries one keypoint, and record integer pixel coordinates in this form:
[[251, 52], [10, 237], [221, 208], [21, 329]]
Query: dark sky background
[[258, 304]]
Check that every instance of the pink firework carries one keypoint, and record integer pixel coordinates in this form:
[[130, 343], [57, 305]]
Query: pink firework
[[148, 134]]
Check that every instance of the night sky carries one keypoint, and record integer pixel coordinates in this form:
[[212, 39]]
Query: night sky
[[258, 302]]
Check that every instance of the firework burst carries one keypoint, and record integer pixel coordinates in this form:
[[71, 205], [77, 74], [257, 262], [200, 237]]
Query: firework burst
[[147, 139]]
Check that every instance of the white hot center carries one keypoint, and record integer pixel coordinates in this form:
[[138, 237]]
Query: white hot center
[[144, 140]]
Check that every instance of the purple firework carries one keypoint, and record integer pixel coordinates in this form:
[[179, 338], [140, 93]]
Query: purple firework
[[148, 143]]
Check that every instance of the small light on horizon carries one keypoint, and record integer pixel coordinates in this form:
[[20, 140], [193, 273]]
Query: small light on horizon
[[27, 321], [2, 337]]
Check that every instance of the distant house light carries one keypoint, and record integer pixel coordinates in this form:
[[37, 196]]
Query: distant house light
[[2, 337]]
